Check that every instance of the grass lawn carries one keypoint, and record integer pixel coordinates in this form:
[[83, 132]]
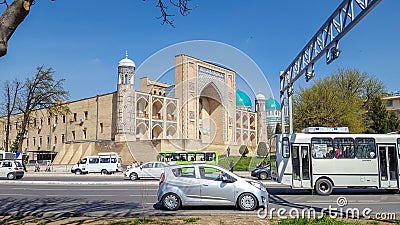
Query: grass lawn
[[241, 163]]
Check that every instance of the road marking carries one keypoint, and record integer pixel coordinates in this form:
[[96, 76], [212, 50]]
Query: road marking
[[80, 189], [143, 195]]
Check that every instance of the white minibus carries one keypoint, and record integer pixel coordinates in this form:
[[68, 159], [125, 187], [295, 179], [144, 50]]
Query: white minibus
[[104, 163], [321, 161]]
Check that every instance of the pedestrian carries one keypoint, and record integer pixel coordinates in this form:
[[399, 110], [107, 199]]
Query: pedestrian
[[37, 167], [231, 165], [48, 167], [228, 151]]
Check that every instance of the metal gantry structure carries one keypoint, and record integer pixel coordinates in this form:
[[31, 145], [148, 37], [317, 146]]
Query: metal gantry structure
[[324, 42]]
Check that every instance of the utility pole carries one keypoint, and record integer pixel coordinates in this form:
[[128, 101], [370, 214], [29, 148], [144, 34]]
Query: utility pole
[[325, 41]]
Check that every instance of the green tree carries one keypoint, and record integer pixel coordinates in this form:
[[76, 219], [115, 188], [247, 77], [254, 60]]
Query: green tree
[[243, 150], [262, 149], [337, 100], [379, 120]]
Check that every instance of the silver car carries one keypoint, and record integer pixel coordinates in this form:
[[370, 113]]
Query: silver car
[[205, 184], [147, 170]]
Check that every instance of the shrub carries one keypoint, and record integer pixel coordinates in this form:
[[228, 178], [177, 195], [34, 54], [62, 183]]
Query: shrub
[[262, 149], [243, 150]]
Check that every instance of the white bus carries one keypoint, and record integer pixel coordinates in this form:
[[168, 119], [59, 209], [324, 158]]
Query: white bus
[[323, 161]]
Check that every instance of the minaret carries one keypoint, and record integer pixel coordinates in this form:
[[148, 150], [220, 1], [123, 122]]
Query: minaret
[[262, 132], [126, 101]]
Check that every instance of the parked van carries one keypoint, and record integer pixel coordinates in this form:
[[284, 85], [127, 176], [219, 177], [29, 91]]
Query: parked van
[[105, 163]]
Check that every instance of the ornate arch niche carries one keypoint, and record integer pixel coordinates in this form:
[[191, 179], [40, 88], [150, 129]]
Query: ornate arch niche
[[212, 115]]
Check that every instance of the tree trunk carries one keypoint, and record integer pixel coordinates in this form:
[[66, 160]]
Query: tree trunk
[[12, 17]]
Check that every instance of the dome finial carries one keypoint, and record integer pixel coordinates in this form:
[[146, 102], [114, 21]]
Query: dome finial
[[126, 54]]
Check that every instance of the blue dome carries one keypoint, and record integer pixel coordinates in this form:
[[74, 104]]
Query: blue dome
[[272, 104], [242, 100]]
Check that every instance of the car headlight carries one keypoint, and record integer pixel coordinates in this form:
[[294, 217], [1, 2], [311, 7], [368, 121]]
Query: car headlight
[[258, 185]]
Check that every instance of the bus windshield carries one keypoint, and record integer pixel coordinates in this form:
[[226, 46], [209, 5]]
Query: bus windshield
[[183, 157]]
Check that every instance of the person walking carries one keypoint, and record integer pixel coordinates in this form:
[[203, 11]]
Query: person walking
[[228, 151], [37, 167], [231, 165]]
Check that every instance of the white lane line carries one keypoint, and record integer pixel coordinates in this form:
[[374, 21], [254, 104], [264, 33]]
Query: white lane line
[[81, 195], [79, 189], [143, 195]]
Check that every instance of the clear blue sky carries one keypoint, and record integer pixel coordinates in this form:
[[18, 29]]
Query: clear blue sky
[[84, 40]]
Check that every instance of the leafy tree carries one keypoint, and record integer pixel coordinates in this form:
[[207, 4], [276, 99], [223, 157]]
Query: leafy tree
[[337, 100], [15, 14], [262, 149], [243, 150], [41, 91], [380, 121]]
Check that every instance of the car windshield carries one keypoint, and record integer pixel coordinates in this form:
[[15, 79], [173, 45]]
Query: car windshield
[[18, 164]]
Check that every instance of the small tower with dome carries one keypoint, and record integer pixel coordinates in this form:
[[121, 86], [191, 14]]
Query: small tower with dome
[[262, 131], [273, 110], [126, 100]]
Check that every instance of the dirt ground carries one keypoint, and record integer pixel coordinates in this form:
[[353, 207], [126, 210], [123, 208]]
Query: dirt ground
[[154, 220]]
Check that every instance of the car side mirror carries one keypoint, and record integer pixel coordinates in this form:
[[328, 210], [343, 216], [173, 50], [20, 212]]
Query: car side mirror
[[226, 179]]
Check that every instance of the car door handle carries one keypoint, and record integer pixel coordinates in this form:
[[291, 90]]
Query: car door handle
[[205, 184]]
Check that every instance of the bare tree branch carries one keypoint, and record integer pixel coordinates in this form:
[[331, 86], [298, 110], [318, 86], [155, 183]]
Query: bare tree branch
[[10, 20]]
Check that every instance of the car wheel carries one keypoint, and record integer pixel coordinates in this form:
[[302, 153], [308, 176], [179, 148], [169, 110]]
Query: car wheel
[[133, 176], [263, 176], [247, 202], [104, 172], [171, 201], [323, 186], [78, 172], [11, 176]]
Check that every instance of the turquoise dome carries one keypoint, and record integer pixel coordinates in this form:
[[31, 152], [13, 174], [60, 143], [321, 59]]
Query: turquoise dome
[[272, 104], [242, 100]]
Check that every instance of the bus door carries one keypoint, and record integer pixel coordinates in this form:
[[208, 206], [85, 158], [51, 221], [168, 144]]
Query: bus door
[[301, 173], [388, 170]]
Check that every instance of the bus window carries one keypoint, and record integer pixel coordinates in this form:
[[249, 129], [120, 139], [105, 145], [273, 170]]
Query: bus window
[[191, 157], [200, 156], [322, 148], [210, 156], [182, 157], [93, 160], [285, 147], [104, 160], [344, 148], [398, 146], [365, 148], [174, 156]]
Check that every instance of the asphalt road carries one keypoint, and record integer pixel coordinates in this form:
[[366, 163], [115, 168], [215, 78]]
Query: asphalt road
[[113, 197]]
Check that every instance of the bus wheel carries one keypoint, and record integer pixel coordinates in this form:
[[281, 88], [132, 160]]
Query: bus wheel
[[78, 172], [104, 172], [323, 187]]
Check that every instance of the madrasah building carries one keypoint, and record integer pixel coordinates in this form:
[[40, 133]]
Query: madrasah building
[[202, 110]]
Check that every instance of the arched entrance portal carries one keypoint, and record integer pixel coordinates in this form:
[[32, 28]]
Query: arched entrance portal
[[211, 115]]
